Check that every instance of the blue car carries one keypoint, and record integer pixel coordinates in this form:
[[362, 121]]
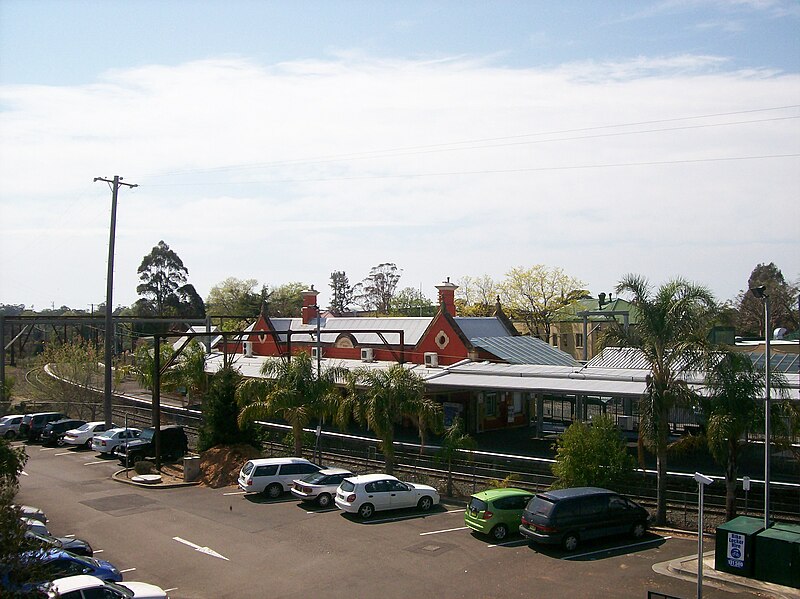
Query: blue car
[[59, 563]]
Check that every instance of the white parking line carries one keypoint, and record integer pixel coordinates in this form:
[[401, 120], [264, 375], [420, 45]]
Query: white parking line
[[46, 448], [65, 453], [610, 549], [463, 509], [70, 536], [171, 589], [126, 570], [235, 493], [98, 551], [436, 532], [401, 518], [100, 462], [330, 509]]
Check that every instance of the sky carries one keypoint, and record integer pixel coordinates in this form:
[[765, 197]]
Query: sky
[[282, 141]]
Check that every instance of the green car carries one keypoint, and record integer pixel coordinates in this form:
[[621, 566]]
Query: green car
[[497, 511]]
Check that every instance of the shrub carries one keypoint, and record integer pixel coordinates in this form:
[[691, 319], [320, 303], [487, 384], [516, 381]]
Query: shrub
[[143, 467]]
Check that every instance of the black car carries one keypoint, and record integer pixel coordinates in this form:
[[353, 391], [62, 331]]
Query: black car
[[71, 544], [53, 433], [32, 425], [571, 516], [173, 445]]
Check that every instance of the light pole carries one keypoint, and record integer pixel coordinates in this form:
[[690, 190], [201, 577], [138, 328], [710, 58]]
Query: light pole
[[761, 293], [702, 481]]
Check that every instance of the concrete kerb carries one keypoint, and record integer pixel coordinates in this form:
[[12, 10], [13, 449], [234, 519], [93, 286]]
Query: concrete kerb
[[685, 568]]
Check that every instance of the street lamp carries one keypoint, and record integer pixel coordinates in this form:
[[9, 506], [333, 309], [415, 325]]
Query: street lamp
[[761, 293], [702, 481]]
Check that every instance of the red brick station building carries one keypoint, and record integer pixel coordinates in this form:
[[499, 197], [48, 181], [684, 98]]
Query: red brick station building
[[480, 368]]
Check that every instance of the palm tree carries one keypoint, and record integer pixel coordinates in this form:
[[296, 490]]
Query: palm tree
[[454, 440], [379, 398], [733, 408], [671, 334], [292, 391]]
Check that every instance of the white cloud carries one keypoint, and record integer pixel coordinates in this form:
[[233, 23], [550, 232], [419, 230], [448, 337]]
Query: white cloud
[[287, 172]]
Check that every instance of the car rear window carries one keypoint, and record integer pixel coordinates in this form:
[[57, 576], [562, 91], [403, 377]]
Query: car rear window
[[347, 486], [541, 506], [477, 505], [248, 468], [316, 478]]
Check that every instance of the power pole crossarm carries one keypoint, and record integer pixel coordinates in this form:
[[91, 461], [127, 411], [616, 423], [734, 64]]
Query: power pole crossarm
[[116, 182]]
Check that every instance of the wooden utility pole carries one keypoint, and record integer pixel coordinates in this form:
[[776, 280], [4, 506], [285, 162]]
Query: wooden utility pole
[[109, 332]]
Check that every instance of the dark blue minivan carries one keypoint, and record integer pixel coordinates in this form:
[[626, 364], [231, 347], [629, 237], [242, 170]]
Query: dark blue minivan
[[568, 517]]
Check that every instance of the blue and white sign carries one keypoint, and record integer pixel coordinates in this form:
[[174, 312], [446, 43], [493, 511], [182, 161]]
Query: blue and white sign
[[735, 550]]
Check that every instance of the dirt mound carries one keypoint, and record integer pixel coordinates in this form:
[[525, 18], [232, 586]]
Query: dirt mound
[[220, 465]]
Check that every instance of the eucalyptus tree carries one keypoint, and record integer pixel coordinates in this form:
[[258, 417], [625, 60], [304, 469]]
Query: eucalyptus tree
[[379, 398], [672, 336], [290, 390]]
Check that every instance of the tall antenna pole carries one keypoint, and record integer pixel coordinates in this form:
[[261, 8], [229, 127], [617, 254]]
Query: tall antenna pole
[[109, 332]]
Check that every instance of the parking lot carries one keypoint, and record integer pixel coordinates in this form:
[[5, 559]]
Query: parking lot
[[215, 543]]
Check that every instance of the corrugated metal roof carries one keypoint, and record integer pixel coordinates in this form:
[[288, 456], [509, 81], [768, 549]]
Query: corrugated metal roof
[[481, 326], [561, 386], [524, 350]]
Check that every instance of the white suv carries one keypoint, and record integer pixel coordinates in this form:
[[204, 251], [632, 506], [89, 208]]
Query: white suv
[[273, 476], [364, 495]]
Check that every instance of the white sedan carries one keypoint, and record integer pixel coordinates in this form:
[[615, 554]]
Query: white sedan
[[84, 585], [319, 486], [109, 440], [82, 436], [364, 495]]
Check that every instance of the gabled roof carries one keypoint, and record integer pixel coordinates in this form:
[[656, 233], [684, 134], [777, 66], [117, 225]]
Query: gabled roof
[[524, 350], [413, 328]]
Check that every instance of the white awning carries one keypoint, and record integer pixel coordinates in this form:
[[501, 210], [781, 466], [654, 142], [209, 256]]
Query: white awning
[[561, 386]]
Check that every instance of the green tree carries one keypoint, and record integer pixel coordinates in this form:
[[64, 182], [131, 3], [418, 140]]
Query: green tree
[[412, 302], [672, 336], [455, 440], [733, 408], [164, 283], [535, 294], [286, 301], [376, 291], [235, 297], [380, 398], [341, 292], [145, 366], [292, 391], [592, 455], [477, 296], [76, 370], [782, 302], [191, 368], [220, 413]]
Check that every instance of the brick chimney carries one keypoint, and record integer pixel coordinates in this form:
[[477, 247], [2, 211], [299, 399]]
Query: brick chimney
[[447, 296], [310, 309]]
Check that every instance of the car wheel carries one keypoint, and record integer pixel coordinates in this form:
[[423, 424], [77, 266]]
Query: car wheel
[[570, 542], [274, 491], [499, 532], [10, 435], [88, 444], [638, 530], [60, 442], [324, 500], [366, 510], [425, 503]]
